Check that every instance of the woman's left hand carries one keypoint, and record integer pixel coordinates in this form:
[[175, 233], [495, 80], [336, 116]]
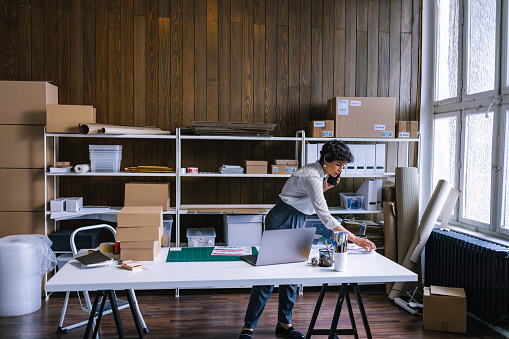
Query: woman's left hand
[[367, 244], [326, 185]]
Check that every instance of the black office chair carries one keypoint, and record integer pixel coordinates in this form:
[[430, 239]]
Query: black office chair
[[107, 308]]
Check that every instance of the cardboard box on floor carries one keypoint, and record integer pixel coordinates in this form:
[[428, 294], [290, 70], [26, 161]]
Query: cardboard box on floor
[[22, 146], [23, 190], [363, 117], [12, 223], [147, 194], [140, 216], [24, 102], [321, 129], [445, 309], [66, 118], [139, 233], [256, 166]]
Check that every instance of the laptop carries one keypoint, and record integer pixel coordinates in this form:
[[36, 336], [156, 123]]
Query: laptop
[[282, 247]]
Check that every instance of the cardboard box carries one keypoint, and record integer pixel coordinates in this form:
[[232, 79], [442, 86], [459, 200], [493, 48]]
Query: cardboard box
[[407, 129], [256, 166], [147, 194], [286, 162], [23, 190], [321, 129], [283, 169], [140, 244], [21, 223], [140, 216], [57, 205], [140, 254], [73, 204], [24, 102], [445, 309], [22, 146], [361, 117], [66, 118], [139, 233]]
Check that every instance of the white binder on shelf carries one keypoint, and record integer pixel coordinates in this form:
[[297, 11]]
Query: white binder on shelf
[[311, 153], [349, 169], [379, 194], [368, 189], [360, 163], [379, 159], [370, 159]]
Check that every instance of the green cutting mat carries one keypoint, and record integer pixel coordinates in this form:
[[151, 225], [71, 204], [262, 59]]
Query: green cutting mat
[[194, 254]]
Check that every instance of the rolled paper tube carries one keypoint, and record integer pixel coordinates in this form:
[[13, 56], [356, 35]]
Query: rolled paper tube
[[407, 208], [81, 168], [429, 218]]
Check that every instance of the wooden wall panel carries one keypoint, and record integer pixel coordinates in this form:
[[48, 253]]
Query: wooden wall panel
[[168, 63]]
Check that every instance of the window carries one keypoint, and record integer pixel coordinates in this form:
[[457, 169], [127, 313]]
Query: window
[[477, 176], [481, 48], [447, 50], [470, 126]]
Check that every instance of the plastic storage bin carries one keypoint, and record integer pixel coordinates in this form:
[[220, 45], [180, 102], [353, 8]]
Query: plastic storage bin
[[243, 230], [105, 158], [201, 237], [351, 201], [167, 225]]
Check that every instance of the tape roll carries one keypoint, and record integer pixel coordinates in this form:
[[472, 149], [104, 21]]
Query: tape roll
[[192, 170], [81, 168], [107, 247]]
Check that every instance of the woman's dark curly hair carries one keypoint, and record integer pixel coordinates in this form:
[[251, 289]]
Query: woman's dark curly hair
[[335, 150]]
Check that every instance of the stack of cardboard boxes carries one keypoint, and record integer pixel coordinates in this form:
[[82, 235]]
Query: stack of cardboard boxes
[[22, 120], [140, 223]]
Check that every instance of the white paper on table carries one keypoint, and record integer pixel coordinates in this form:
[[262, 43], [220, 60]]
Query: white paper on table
[[354, 249], [231, 250]]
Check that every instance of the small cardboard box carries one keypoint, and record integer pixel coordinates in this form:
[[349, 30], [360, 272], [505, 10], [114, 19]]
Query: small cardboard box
[[445, 309], [73, 204], [321, 128], [140, 216], [139, 233], [66, 118], [140, 254], [361, 117], [284, 169], [286, 162], [147, 194], [407, 129], [24, 102], [256, 166]]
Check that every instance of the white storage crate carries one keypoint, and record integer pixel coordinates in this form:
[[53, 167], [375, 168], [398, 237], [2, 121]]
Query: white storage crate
[[201, 237], [243, 230]]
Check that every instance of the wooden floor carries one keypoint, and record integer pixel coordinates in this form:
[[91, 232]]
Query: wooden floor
[[220, 313]]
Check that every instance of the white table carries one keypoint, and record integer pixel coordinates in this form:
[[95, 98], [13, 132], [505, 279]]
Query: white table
[[367, 268]]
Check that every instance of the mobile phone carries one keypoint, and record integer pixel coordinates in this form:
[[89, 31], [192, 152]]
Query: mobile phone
[[332, 180]]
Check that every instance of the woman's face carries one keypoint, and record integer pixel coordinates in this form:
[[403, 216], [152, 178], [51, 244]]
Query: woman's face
[[334, 168]]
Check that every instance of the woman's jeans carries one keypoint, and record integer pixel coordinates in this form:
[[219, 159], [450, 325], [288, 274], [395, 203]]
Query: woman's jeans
[[282, 216]]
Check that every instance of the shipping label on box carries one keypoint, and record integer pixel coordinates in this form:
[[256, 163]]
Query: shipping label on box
[[66, 118], [140, 216], [366, 117], [445, 309], [139, 233], [321, 129], [283, 169], [147, 194]]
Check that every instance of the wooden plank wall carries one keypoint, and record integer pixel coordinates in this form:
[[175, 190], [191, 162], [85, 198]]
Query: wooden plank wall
[[170, 62]]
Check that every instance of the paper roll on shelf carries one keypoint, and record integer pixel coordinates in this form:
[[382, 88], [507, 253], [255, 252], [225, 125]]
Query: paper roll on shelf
[[81, 168], [94, 128], [429, 218]]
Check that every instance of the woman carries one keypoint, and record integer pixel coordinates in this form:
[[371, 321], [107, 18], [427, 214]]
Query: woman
[[302, 195]]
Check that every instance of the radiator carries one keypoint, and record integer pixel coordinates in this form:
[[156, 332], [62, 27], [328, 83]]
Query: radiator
[[482, 268]]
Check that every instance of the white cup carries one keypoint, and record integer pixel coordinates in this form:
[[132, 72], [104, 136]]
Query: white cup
[[183, 170], [340, 260]]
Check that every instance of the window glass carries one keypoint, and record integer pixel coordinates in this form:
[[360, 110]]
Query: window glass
[[506, 178], [482, 32], [446, 81], [444, 150], [478, 149]]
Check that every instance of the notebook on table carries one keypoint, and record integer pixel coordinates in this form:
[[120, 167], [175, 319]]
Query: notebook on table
[[282, 247]]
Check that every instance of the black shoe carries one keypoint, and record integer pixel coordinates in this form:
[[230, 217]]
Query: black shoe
[[246, 334], [288, 333]]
